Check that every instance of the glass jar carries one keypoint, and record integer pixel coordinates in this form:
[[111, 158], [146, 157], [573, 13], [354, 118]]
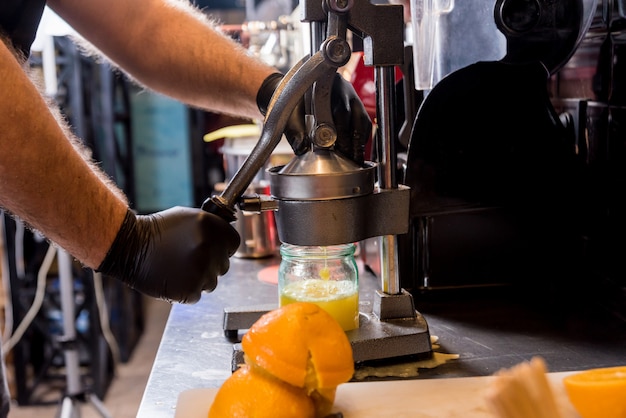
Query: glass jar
[[326, 276]]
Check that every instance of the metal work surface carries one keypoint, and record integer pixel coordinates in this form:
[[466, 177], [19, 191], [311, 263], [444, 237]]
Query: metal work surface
[[489, 330]]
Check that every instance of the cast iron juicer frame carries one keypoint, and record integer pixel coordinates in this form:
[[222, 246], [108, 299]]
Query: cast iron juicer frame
[[395, 328]]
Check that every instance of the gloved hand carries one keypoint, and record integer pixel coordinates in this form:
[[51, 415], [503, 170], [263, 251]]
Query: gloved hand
[[172, 255], [351, 120]]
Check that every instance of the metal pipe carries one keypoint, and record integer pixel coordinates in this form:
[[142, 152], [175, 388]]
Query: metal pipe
[[385, 85]]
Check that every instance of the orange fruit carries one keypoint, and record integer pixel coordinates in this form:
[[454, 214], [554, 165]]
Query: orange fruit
[[296, 356], [250, 393], [598, 393], [301, 344]]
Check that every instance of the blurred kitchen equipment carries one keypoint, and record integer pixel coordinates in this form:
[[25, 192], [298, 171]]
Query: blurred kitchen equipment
[[448, 36], [590, 88], [239, 141], [257, 229], [276, 42], [268, 10], [494, 171], [425, 16]]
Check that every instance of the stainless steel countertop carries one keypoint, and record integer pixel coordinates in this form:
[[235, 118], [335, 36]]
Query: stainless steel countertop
[[488, 329]]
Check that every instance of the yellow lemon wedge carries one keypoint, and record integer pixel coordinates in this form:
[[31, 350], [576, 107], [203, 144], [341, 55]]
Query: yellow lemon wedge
[[598, 393]]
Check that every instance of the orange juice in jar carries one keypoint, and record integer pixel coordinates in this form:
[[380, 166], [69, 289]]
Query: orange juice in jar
[[326, 276]]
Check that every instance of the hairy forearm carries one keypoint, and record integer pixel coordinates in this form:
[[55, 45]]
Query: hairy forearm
[[43, 177], [196, 63]]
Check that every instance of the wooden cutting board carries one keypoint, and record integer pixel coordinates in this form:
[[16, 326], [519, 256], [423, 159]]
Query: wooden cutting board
[[419, 398]]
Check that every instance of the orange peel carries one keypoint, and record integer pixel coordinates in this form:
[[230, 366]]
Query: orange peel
[[247, 393], [598, 393], [301, 344], [295, 357]]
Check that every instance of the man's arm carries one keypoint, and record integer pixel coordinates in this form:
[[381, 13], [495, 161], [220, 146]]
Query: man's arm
[[44, 179], [171, 47], [49, 182]]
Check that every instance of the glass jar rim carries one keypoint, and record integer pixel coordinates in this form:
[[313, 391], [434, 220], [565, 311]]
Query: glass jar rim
[[318, 251]]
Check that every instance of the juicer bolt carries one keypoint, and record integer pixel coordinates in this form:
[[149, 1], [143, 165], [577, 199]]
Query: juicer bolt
[[324, 135], [340, 5], [336, 50]]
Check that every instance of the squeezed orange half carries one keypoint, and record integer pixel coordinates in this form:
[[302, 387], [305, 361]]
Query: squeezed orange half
[[598, 393]]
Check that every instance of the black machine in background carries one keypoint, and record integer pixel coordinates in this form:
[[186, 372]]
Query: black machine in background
[[516, 165]]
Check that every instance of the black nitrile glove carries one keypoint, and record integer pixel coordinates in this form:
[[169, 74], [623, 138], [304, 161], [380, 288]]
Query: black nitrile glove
[[351, 120], [172, 255], [295, 131]]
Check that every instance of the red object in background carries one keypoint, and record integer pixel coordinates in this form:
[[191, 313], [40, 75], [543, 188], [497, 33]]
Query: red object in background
[[362, 79]]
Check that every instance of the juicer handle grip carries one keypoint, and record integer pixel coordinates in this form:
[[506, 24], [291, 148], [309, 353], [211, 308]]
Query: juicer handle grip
[[217, 206]]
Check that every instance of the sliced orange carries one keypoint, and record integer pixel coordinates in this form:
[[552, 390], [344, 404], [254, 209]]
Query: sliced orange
[[251, 394], [301, 344], [295, 356], [598, 393]]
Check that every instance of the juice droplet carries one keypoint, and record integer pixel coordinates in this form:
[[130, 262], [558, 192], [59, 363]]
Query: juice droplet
[[325, 273]]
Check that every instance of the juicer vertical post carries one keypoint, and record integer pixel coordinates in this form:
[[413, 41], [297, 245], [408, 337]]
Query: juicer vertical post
[[385, 82]]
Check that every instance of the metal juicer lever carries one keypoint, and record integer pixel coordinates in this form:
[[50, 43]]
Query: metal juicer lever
[[292, 88]]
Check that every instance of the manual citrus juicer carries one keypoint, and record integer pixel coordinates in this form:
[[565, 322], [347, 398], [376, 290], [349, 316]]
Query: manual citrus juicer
[[323, 199]]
